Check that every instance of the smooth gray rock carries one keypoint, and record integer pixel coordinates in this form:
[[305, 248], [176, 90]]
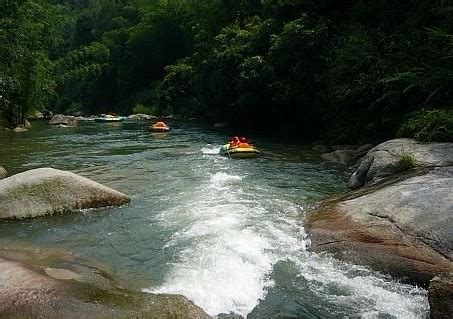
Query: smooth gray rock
[[45, 284], [3, 172], [403, 228], [19, 129], [358, 178], [58, 119], [440, 295], [45, 191], [383, 160]]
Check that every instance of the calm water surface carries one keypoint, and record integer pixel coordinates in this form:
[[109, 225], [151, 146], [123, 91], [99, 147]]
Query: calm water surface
[[227, 234]]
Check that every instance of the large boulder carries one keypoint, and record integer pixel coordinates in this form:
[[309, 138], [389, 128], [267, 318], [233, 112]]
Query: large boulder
[[384, 160], [403, 227], [46, 191], [3, 172], [440, 295], [58, 119], [45, 284]]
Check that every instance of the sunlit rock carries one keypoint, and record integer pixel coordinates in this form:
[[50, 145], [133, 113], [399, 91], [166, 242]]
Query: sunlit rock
[[403, 227], [47, 191], [384, 160], [32, 287], [58, 119]]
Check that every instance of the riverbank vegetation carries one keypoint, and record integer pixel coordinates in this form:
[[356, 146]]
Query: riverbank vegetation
[[315, 70]]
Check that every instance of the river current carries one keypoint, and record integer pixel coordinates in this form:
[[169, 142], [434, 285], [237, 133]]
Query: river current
[[227, 234]]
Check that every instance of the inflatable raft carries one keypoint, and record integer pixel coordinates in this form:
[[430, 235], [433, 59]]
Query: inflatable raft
[[242, 150], [159, 127]]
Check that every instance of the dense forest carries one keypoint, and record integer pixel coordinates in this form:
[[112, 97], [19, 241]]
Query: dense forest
[[335, 71]]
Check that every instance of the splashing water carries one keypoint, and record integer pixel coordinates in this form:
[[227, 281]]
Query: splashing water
[[227, 234], [233, 236]]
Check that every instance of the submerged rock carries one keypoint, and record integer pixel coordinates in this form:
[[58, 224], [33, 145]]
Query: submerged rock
[[3, 172], [384, 160], [45, 191], [346, 154], [55, 285], [403, 227], [58, 119], [440, 295]]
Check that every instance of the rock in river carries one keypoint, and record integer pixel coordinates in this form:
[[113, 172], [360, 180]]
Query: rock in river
[[441, 296], [43, 284], [383, 160], [58, 119], [45, 191], [403, 227]]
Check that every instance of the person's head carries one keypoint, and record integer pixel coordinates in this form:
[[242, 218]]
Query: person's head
[[235, 139], [243, 139]]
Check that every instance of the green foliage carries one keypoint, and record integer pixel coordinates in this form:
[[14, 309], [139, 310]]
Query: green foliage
[[339, 71], [142, 109], [429, 125], [405, 162], [28, 32]]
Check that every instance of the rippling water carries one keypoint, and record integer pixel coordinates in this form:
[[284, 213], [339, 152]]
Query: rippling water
[[227, 234]]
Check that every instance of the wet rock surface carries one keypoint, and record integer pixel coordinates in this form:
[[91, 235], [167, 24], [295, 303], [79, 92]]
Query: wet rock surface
[[43, 283], [404, 227], [396, 221], [46, 191], [58, 119], [441, 296]]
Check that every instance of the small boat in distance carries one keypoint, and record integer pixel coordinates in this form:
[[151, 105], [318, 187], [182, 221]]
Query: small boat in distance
[[107, 118], [239, 148], [159, 127]]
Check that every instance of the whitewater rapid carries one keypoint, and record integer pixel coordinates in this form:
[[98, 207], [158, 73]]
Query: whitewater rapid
[[233, 232]]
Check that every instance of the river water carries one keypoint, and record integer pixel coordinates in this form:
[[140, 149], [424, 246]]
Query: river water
[[227, 234]]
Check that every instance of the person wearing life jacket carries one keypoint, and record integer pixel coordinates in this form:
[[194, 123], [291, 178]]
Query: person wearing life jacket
[[243, 142], [159, 124], [234, 142]]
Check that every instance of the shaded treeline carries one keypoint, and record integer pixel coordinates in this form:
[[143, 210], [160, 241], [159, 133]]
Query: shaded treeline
[[339, 71]]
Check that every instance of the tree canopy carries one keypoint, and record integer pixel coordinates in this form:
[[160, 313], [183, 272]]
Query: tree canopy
[[337, 71]]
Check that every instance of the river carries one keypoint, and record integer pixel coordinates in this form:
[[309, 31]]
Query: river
[[227, 234]]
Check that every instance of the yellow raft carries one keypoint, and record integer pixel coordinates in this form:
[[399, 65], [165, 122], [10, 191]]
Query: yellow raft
[[243, 150]]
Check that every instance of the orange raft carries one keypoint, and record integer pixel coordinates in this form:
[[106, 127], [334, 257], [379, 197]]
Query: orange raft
[[159, 127]]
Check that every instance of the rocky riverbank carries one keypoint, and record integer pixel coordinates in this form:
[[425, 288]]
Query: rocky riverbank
[[49, 283], [399, 220]]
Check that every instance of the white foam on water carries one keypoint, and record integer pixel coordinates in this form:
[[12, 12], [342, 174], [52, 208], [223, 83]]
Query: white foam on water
[[229, 238], [225, 264], [363, 292], [210, 150]]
